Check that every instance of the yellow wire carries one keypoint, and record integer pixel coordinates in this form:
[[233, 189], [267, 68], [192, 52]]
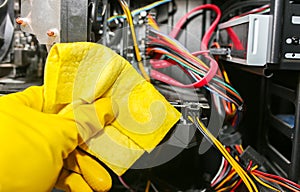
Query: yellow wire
[[194, 57], [135, 45], [228, 187], [226, 76], [148, 186], [136, 10], [225, 180], [264, 184], [236, 157], [145, 7], [241, 146], [226, 155], [255, 167], [240, 171], [259, 180], [152, 23], [130, 22]]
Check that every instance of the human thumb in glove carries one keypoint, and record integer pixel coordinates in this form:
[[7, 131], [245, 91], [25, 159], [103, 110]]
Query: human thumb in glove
[[33, 143]]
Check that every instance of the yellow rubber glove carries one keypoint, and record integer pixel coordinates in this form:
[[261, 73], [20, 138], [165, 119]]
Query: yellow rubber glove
[[82, 172], [84, 72], [34, 143], [38, 129]]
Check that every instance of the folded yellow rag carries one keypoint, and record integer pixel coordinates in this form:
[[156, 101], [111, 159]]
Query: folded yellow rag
[[80, 73]]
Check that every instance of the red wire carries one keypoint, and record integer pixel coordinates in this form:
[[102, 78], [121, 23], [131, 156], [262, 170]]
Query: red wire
[[249, 165], [202, 82], [212, 71], [227, 109], [161, 40], [169, 80], [253, 11], [277, 177], [208, 33], [231, 33], [234, 121], [164, 78], [240, 181], [236, 186], [237, 44], [239, 150], [159, 64], [275, 181], [222, 173]]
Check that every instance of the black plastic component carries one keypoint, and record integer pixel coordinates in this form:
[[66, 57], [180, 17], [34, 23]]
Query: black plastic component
[[253, 155], [284, 28], [282, 145], [295, 1], [219, 51], [295, 40], [1, 40], [231, 139]]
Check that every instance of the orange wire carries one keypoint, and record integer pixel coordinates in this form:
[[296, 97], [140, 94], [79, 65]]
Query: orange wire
[[239, 150], [152, 22], [197, 69], [275, 181], [229, 107]]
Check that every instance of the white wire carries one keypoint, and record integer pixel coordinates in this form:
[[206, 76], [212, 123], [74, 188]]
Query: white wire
[[3, 4], [153, 187], [219, 171], [125, 184]]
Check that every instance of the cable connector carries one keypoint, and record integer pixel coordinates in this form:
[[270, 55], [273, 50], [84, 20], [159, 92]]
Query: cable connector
[[220, 51], [251, 154]]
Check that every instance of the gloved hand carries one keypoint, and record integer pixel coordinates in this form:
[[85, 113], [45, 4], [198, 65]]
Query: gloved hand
[[34, 143], [38, 128], [82, 172], [84, 72]]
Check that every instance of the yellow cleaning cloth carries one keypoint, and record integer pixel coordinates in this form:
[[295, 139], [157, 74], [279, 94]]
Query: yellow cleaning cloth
[[83, 72]]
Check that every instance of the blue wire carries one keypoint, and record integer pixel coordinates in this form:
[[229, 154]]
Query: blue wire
[[180, 45], [225, 84], [210, 90], [138, 11]]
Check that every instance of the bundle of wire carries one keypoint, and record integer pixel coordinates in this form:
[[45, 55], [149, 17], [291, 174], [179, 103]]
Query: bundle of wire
[[249, 183], [127, 12], [207, 36], [203, 75], [163, 46], [139, 10], [259, 10], [227, 179], [167, 51]]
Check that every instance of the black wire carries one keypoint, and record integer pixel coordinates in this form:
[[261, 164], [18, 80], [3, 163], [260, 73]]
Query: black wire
[[193, 115], [168, 49], [235, 178], [231, 96], [213, 82], [235, 6], [228, 169], [294, 187]]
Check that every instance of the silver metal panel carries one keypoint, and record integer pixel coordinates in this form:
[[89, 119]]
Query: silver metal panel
[[292, 55], [258, 38], [234, 22], [296, 20], [74, 20]]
